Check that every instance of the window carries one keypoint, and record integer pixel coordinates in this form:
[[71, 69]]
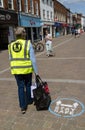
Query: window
[[47, 14], [43, 14], [43, 1], [26, 6], [1, 3], [10, 4], [19, 5], [51, 15], [31, 7], [47, 2], [51, 3], [36, 8]]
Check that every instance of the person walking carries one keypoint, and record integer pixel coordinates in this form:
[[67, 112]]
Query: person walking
[[23, 64], [48, 41], [73, 31], [79, 32], [76, 33]]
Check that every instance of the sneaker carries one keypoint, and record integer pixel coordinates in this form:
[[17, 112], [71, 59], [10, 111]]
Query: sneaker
[[23, 110]]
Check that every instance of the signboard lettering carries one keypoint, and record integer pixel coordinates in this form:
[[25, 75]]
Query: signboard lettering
[[5, 17]]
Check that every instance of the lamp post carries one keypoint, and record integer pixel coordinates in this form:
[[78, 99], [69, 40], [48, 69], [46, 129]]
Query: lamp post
[[18, 9]]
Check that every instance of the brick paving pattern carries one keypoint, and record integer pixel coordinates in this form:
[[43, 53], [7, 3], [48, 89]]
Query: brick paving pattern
[[65, 74]]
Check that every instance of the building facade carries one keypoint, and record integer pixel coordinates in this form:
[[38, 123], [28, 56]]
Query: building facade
[[61, 18], [29, 17], [47, 16], [25, 13], [83, 22], [36, 16], [77, 20], [8, 20]]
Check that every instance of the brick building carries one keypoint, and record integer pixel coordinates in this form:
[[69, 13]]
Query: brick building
[[29, 17], [61, 18], [36, 16], [8, 20], [14, 13]]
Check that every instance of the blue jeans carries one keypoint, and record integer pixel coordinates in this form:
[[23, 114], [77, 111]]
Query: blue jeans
[[24, 82]]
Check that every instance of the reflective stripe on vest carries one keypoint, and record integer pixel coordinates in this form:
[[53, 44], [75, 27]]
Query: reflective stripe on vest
[[20, 61]]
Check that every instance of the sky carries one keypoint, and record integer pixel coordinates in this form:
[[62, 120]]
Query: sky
[[77, 6]]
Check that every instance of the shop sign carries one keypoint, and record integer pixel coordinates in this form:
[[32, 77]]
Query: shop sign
[[67, 107], [5, 17], [29, 21], [8, 17]]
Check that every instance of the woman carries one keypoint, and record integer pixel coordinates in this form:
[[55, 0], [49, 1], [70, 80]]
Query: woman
[[48, 41], [23, 64]]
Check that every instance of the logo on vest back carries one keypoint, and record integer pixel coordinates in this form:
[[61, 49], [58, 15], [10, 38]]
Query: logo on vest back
[[17, 47]]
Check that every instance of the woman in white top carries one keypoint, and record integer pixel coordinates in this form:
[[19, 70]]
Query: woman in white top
[[48, 41]]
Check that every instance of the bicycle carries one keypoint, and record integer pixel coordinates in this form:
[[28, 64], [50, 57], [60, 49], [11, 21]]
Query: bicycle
[[38, 46]]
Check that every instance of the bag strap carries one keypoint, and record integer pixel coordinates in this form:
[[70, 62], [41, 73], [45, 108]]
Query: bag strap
[[38, 80]]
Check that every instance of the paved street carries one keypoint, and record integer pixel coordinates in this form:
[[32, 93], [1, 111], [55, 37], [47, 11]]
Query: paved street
[[65, 74]]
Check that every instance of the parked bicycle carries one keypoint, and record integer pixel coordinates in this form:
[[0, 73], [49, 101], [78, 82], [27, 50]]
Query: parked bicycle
[[38, 46]]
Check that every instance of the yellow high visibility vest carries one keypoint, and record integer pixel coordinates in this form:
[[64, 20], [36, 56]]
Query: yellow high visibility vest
[[19, 57]]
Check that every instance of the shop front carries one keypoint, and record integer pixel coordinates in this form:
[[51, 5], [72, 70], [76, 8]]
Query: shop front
[[32, 25], [8, 20], [58, 29], [47, 25], [62, 28]]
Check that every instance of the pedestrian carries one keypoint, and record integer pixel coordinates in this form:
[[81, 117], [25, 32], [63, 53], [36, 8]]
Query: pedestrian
[[79, 32], [73, 31], [23, 64], [76, 33], [48, 42]]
